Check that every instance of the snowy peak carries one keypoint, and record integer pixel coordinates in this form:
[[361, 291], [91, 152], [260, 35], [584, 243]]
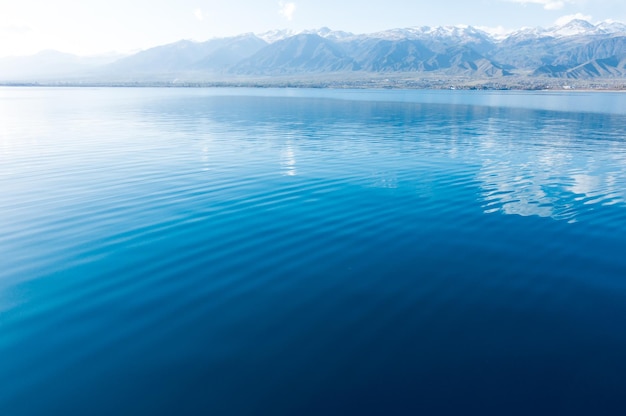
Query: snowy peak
[[275, 35], [527, 33], [574, 27], [613, 27], [324, 32], [460, 33], [329, 33]]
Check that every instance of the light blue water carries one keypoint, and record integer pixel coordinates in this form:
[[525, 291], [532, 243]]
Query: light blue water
[[289, 252]]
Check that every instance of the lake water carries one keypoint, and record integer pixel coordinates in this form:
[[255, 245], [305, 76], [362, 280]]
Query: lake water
[[321, 252]]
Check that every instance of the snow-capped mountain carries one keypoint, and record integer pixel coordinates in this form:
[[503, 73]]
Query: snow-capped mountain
[[574, 27], [460, 33], [610, 26], [576, 49], [276, 35], [327, 33]]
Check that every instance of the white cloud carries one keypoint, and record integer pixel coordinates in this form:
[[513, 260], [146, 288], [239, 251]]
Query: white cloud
[[198, 13], [287, 9], [547, 4], [568, 18]]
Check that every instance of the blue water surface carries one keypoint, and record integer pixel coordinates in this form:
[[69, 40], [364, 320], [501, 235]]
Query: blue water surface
[[312, 252]]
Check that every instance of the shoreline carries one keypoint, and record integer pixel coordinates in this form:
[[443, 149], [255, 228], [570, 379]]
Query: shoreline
[[406, 81], [621, 88]]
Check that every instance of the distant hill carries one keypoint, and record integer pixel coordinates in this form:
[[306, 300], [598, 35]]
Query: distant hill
[[575, 50], [186, 55], [49, 64]]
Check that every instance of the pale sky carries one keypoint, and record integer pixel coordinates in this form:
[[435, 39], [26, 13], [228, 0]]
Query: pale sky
[[88, 27]]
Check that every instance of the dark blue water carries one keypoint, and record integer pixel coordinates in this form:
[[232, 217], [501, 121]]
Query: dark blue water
[[307, 252]]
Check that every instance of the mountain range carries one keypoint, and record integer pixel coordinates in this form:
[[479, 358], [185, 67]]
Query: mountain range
[[575, 50]]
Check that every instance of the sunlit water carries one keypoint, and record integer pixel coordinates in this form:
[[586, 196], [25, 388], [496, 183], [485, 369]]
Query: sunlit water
[[290, 252]]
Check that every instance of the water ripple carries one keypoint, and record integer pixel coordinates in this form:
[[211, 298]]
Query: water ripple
[[197, 246]]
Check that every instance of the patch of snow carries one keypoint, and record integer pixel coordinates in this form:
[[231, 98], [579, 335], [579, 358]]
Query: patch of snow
[[462, 33], [574, 27], [275, 35], [327, 33], [612, 26], [496, 33], [324, 32]]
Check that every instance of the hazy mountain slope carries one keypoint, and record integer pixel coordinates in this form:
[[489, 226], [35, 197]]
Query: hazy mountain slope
[[596, 68], [462, 60], [596, 49], [602, 58], [166, 58], [298, 54], [383, 55], [230, 52], [523, 51]]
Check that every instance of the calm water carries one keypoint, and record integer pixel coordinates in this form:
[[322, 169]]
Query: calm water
[[292, 252]]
